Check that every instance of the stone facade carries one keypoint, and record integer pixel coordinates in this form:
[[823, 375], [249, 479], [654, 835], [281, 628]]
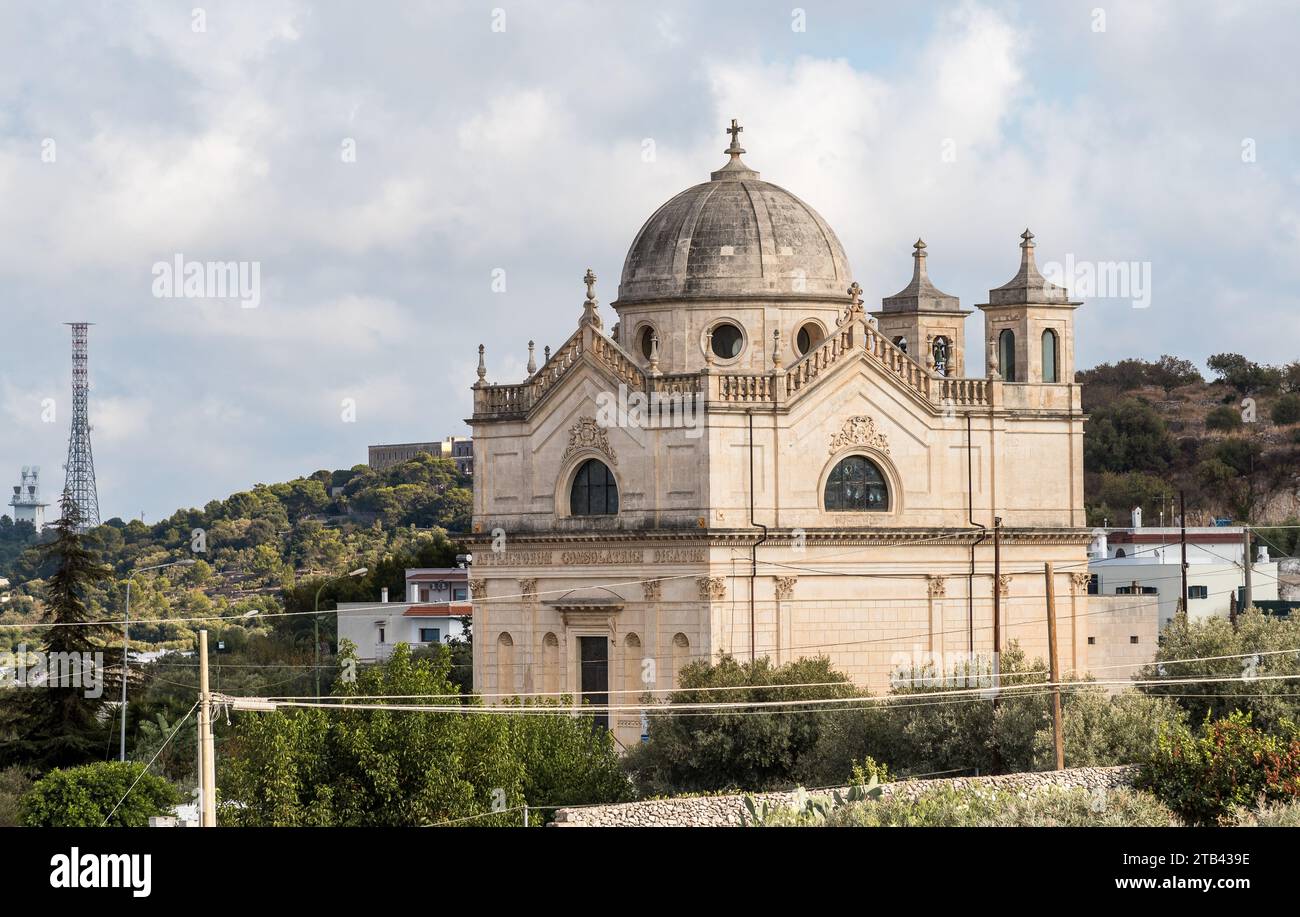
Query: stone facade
[[725, 811], [721, 428]]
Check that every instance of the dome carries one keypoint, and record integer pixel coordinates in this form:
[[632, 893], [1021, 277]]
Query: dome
[[734, 236]]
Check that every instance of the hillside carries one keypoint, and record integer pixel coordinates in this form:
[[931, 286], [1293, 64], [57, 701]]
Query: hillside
[[259, 549], [1231, 443]]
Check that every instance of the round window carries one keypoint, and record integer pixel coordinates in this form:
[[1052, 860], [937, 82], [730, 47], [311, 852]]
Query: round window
[[646, 341], [727, 341], [809, 336]]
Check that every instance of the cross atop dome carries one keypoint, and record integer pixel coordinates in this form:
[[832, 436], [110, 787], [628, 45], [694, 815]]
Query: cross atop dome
[[735, 149], [735, 169]]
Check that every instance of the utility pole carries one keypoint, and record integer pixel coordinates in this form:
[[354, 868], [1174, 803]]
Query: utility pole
[[1058, 734], [1182, 540], [207, 750], [997, 589], [1248, 597], [126, 647]]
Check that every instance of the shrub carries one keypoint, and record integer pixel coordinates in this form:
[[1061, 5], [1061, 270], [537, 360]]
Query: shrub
[[989, 808], [1102, 731], [1286, 410], [691, 753], [83, 797], [14, 784], [1279, 815], [1229, 765], [1223, 418]]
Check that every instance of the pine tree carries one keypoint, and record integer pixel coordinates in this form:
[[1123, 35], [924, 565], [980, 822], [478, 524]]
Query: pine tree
[[54, 724]]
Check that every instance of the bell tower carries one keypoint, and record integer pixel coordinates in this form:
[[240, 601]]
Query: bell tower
[[926, 322], [1029, 326]]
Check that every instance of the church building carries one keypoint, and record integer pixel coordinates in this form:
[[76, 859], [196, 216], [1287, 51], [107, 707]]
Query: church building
[[746, 461]]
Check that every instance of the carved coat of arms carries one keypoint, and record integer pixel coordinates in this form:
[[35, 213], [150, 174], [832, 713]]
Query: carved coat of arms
[[860, 430], [587, 434]]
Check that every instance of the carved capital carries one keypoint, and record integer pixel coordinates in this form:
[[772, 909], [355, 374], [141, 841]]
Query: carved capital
[[587, 434], [936, 586], [478, 589], [785, 586], [650, 590], [1004, 584], [528, 588], [713, 588], [860, 430], [1079, 581]]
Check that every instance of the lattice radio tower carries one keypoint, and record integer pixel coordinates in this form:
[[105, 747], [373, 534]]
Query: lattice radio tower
[[79, 480]]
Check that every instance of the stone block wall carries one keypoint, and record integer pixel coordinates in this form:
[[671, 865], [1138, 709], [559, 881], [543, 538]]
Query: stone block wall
[[725, 811]]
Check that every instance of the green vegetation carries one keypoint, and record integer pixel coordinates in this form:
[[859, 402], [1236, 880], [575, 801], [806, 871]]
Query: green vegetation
[[60, 723], [691, 753], [949, 807], [1261, 648], [1157, 428], [387, 767], [1229, 764], [83, 797]]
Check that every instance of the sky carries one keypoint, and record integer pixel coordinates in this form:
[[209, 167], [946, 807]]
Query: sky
[[410, 180]]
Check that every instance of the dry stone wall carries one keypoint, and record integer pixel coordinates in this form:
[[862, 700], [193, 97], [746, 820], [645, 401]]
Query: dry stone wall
[[725, 811]]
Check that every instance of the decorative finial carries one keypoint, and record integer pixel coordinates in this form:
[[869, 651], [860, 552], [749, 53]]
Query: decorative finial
[[776, 349], [735, 149], [920, 248], [1028, 237], [654, 353], [532, 359], [589, 313], [547, 351], [708, 347], [854, 309], [482, 364]]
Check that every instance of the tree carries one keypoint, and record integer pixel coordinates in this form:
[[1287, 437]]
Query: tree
[[84, 797], [1127, 436], [727, 749], [1244, 376], [391, 767], [1172, 372], [60, 724], [1260, 645]]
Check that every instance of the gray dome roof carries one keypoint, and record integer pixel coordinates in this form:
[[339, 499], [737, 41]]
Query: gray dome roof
[[734, 236]]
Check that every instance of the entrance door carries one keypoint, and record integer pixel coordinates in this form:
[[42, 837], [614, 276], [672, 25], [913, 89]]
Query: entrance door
[[594, 655]]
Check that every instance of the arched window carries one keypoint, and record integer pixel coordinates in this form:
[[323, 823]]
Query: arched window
[[1049, 356], [646, 339], [681, 657], [551, 663], [632, 667], [506, 678], [595, 492], [855, 486], [1007, 354], [942, 352]]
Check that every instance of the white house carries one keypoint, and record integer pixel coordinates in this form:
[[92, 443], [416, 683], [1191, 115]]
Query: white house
[[437, 601], [1147, 561]]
